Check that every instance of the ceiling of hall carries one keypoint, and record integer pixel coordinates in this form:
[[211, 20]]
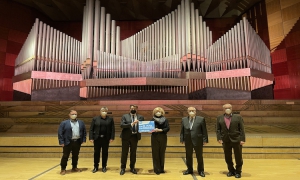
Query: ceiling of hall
[[122, 10]]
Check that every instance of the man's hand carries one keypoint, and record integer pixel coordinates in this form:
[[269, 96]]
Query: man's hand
[[220, 141], [92, 141], [182, 142], [135, 121], [62, 145], [110, 141], [204, 143], [242, 143]]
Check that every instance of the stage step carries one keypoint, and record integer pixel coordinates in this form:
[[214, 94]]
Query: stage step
[[257, 146]]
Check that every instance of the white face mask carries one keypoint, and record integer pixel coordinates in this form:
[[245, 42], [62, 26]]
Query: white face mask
[[228, 111], [103, 113], [192, 114], [158, 114], [73, 117]]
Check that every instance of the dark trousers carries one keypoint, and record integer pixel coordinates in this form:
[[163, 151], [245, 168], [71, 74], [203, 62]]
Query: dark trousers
[[132, 143], [237, 148], [158, 145], [189, 146], [74, 146], [98, 144]]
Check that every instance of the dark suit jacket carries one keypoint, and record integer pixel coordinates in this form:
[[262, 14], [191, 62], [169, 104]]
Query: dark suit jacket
[[127, 128], [198, 132], [235, 133], [95, 128], [65, 132]]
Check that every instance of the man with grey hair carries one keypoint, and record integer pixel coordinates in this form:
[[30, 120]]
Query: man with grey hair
[[194, 135], [102, 133], [231, 134]]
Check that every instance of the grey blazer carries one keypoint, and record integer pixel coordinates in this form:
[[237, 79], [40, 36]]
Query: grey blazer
[[127, 128], [198, 132]]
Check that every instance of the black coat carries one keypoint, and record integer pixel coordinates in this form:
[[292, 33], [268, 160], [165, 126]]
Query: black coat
[[235, 133], [197, 133], [95, 128], [127, 128]]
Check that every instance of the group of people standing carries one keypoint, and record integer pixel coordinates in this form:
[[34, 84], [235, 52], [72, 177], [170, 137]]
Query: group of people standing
[[193, 134]]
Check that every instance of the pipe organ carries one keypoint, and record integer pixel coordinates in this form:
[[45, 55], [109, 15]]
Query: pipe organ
[[172, 58]]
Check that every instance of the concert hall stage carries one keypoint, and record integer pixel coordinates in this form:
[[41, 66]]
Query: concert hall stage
[[29, 128], [29, 142]]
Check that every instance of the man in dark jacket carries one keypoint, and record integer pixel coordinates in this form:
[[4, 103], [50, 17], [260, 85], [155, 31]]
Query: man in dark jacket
[[102, 132], [194, 135], [231, 134], [130, 137], [71, 134]]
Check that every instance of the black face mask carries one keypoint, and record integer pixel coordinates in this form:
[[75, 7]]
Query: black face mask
[[133, 111]]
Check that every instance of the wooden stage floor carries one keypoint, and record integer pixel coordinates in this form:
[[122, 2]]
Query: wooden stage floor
[[215, 169]]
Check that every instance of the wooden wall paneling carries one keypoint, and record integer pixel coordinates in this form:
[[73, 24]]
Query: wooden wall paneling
[[290, 12], [274, 18], [289, 24], [288, 3], [273, 6]]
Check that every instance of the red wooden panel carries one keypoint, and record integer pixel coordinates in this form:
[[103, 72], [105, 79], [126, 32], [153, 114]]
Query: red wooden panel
[[293, 52], [2, 59], [17, 36], [3, 44], [1, 81], [8, 71], [292, 38], [3, 32], [278, 56], [13, 47], [280, 69], [7, 84], [294, 67], [6, 95], [10, 59], [282, 82], [283, 94]]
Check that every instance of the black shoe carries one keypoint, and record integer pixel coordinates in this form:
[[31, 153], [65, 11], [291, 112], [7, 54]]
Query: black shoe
[[157, 172], [230, 174], [237, 175], [133, 171], [201, 173], [104, 169], [162, 171], [122, 171], [187, 172], [95, 170]]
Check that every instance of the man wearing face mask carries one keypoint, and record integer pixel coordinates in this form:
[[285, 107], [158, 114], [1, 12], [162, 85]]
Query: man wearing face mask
[[130, 137], [71, 134], [194, 135], [102, 132], [231, 134], [159, 140]]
